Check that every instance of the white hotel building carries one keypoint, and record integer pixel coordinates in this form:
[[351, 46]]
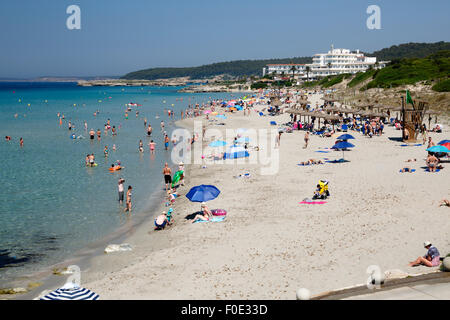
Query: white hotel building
[[336, 61]]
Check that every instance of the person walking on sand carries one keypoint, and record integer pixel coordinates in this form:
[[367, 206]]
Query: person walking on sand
[[167, 175], [128, 203], [430, 143], [121, 191], [431, 259], [306, 139]]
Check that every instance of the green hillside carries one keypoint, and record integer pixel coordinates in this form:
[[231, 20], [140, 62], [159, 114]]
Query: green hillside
[[410, 50], [233, 68], [242, 68]]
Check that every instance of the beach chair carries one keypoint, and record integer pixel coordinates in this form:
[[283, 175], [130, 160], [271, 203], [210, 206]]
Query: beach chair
[[344, 128]]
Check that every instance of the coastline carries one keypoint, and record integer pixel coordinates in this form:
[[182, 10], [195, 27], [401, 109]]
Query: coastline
[[268, 249]]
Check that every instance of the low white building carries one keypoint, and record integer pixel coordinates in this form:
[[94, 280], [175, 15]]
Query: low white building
[[336, 61]]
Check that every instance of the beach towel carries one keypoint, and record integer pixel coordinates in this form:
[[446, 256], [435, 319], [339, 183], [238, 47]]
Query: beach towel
[[337, 161], [312, 202], [301, 164], [412, 170], [321, 151], [411, 145], [273, 123], [428, 170], [213, 219]]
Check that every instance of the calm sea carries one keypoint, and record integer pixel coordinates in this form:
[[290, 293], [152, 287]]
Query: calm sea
[[51, 204]]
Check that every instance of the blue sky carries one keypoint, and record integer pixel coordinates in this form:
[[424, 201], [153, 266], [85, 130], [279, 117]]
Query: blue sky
[[119, 36]]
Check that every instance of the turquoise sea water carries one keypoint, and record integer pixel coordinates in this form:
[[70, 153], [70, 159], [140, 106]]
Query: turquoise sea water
[[51, 203]]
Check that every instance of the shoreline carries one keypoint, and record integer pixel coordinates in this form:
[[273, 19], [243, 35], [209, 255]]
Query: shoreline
[[267, 249]]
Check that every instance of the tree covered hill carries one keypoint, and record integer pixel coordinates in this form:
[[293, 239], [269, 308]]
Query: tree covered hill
[[241, 68]]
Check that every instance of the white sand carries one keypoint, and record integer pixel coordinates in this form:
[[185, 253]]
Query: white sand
[[270, 245]]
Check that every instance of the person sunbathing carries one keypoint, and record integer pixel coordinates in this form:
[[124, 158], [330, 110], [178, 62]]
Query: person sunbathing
[[328, 134], [411, 160], [432, 163], [407, 169], [431, 259], [444, 202], [206, 214]]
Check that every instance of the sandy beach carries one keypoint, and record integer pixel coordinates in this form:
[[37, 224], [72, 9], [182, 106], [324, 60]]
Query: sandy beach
[[269, 245]]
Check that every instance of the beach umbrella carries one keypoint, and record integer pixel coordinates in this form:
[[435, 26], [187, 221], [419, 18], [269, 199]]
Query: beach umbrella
[[207, 111], [342, 146], [235, 152], [444, 142], [202, 193], [71, 293], [217, 143], [241, 130], [345, 137], [438, 149], [243, 139]]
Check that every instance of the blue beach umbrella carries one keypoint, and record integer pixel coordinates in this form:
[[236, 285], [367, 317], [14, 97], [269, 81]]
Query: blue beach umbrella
[[243, 139], [345, 137], [444, 142], [202, 193], [236, 152], [217, 143], [75, 293], [438, 149], [342, 146]]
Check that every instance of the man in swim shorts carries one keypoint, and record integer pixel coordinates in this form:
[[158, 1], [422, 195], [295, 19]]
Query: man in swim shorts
[[167, 175], [166, 141], [121, 193], [92, 134]]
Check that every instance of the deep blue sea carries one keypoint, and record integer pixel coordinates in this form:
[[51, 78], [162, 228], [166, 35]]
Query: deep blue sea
[[51, 204]]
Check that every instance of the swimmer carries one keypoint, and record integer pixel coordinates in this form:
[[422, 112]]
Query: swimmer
[[7, 138], [105, 151], [141, 146], [114, 147], [113, 130], [21, 142], [99, 134]]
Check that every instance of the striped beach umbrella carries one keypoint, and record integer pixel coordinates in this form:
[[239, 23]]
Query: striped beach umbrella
[[76, 293]]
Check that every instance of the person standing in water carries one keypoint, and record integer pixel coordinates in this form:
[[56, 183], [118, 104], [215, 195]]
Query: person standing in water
[[121, 191], [99, 134], [92, 134], [85, 126], [128, 203], [149, 130], [141, 146], [167, 175], [162, 126], [152, 147], [21, 142], [166, 142]]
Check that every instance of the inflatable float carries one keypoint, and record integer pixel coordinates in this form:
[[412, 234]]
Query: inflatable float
[[177, 177], [116, 168], [219, 212]]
